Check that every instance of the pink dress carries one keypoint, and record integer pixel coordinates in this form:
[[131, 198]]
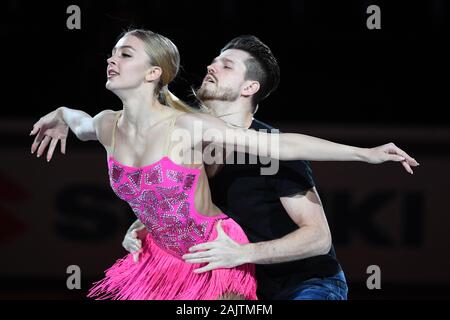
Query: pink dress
[[162, 197]]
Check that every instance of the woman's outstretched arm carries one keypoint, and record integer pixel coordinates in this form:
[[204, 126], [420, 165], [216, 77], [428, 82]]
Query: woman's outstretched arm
[[291, 146], [54, 127]]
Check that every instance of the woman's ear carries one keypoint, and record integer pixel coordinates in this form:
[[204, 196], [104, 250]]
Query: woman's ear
[[153, 74]]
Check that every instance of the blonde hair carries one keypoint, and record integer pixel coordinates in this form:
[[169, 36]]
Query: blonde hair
[[164, 54]]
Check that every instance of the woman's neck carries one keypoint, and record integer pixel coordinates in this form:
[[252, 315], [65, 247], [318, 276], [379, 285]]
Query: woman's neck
[[141, 112]]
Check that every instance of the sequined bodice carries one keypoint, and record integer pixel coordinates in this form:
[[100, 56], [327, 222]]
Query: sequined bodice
[[162, 197]]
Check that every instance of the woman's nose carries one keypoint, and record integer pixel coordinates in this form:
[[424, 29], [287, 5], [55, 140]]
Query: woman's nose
[[111, 60]]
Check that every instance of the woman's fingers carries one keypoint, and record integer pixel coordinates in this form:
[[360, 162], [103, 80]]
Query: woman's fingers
[[51, 149], [43, 145], [36, 128], [35, 144], [63, 145], [407, 167]]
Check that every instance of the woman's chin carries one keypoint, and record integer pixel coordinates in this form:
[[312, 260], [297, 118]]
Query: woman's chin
[[110, 86]]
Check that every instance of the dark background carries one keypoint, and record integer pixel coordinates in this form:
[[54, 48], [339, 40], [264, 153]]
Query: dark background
[[334, 71], [333, 68]]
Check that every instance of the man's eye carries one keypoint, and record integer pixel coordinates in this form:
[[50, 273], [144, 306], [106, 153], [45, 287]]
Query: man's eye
[[126, 55], [227, 67]]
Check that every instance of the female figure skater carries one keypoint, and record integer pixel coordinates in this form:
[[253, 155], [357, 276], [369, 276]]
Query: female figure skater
[[168, 191]]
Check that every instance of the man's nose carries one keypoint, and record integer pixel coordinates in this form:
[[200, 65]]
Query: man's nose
[[211, 69]]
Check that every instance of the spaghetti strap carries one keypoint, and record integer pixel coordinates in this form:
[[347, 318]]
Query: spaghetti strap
[[168, 140], [113, 138]]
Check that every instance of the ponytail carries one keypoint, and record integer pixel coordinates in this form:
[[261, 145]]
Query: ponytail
[[174, 102]]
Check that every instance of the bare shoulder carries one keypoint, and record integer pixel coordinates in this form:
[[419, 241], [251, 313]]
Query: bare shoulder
[[104, 123], [189, 121]]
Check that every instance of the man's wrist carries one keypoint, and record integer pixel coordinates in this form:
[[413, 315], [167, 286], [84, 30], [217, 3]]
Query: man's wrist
[[248, 253]]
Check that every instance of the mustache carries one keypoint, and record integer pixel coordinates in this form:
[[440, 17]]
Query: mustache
[[212, 76]]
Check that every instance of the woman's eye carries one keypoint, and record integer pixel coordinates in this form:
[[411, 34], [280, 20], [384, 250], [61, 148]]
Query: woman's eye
[[227, 67], [126, 55]]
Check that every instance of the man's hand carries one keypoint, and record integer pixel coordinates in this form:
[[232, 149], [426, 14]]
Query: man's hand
[[223, 252], [133, 241], [390, 152], [49, 129]]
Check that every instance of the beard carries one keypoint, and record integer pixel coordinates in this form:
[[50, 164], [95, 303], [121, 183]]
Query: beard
[[206, 93]]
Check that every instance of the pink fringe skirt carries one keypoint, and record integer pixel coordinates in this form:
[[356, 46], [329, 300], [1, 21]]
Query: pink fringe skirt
[[159, 275]]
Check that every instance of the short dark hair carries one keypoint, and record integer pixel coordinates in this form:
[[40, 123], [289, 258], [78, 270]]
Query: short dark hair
[[262, 65]]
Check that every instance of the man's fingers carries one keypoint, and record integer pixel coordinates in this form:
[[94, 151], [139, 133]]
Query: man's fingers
[[141, 232], [131, 244], [51, 149], [134, 248], [200, 260], [136, 256], [43, 145], [140, 228], [220, 231], [202, 246], [208, 267], [197, 255]]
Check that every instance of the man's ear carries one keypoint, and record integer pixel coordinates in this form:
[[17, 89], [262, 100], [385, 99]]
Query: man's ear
[[153, 74], [250, 88]]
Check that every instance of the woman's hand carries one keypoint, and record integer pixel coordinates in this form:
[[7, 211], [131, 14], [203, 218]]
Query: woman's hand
[[390, 152], [51, 128]]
